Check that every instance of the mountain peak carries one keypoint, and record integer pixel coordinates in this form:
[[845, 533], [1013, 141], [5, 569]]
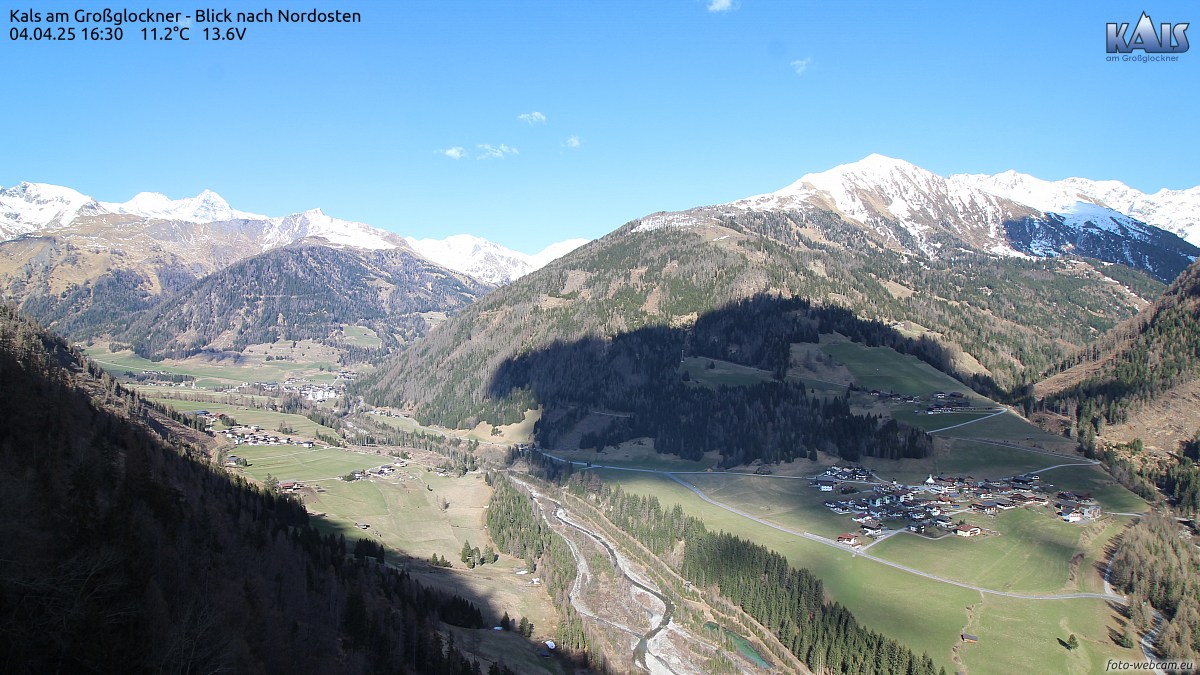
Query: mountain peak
[[206, 207], [30, 206]]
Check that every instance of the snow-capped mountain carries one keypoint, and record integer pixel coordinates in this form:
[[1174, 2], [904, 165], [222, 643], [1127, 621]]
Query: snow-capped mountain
[[920, 212], [33, 206], [207, 217], [208, 220], [1176, 211], [902, 202], [486, 260], [315, 223], [206, 207]]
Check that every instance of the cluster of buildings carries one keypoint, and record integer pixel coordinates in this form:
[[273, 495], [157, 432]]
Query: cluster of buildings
[[939, 402], [301, 387], [894, 397], [381, 471], [254, 435], [934, 502], [829, 479]]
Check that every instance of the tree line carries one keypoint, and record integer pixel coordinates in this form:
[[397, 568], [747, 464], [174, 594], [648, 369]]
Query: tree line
[[790, 601], [128, 550]]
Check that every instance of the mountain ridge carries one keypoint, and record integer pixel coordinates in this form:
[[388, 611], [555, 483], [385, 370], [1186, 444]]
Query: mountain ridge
[[38, 208]]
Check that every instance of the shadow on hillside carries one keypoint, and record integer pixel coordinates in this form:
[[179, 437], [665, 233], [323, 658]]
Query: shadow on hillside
[[631, 385]]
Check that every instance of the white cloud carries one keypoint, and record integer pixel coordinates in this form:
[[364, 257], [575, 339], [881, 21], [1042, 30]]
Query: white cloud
[[802, 65], [573, 142], [722, 5], [488, 151], [532, 118], [457, 152]]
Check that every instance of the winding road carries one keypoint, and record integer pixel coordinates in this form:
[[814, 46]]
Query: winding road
[[829, 542]]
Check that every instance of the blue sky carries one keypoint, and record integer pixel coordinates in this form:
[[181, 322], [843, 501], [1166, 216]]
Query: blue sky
[[642, 106]]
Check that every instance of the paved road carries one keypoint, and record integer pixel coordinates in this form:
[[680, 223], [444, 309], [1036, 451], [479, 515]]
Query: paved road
[[829, 542], [978, 419]]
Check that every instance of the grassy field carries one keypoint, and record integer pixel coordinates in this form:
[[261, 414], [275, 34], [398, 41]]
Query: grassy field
[[962, 457], [269, 420], [288, 462], [881, 597], [1032, 552], [210, 372], [722, 372], [1009, 428], [361, 336], [639, 454], [792, 503], [404, 512], [907, 413], [1018, 636], [887, 370], [169, 394], [924, 614], [1111, 495]]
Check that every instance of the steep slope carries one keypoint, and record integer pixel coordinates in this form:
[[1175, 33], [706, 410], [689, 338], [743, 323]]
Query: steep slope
[[302, 291], [1140, 380], [126, 550], [919, 212], [999, 317], [914, 209], [85, 268]]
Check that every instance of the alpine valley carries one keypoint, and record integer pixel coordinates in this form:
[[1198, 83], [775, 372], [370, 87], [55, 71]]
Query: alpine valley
[[877, 421]]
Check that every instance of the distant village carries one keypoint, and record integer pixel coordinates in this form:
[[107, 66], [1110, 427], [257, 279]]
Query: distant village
[[302, 387], [935, 502], [940, 402]]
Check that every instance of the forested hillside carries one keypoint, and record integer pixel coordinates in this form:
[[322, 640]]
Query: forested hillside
[[998, 320], [85, 291], [126, 551], [1128, 377], [301, 292], [637, 374]]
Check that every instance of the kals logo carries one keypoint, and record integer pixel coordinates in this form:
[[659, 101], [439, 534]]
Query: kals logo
[[1168, 40]]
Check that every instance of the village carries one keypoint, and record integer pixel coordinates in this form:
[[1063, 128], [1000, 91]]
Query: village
[[929, 509], [309, 391], [252, 434], [940, 402]]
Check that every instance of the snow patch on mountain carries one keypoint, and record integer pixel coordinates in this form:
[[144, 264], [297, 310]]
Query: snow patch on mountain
[[658, 221]]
